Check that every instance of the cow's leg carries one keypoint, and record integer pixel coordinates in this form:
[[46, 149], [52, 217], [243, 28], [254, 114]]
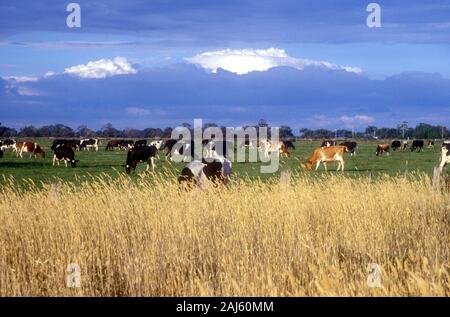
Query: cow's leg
[[325, 165], [65, 162], [342, 163], [54, 160], [317, 165]]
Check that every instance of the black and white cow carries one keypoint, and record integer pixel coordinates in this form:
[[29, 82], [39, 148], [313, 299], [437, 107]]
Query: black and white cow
[[159, 144], [126, 144], [7, 144], [417, 145], [445, 155], [140, 143], [87, 144], [199, 172], [288, 144], [141, 154], [75, 144], [66, 154], [351, 147], [431, 144], [396, 145], [328, 143]]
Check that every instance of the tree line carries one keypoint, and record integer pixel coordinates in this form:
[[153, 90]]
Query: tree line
[[421, 131]]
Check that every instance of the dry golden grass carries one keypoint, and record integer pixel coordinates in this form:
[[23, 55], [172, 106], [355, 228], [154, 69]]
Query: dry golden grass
[[309, 238]]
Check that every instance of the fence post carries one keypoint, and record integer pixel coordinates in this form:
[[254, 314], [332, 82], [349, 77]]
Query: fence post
[[436, 177], [285, 178]]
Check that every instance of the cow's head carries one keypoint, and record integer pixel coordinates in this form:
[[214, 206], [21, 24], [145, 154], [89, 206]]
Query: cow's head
[[73, 163], [309, 165]]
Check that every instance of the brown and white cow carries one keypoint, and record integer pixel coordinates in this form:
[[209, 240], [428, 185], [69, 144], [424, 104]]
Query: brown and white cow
[[327, 154], [29, 147], [383, 148]]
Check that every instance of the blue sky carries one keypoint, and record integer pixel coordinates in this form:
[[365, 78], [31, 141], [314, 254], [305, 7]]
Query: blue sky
[[309, 36]]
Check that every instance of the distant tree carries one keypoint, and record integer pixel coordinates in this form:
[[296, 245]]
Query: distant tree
[[286, 132], [371, 131], [263, 123], [109, 131], [6, 132], [427, 131], [28, 131], [84, 131]]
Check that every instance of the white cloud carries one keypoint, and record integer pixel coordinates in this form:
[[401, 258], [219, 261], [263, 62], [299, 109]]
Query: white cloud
[[352, 121], [102, 68], [21, 79], [137, 111], [248, 60]]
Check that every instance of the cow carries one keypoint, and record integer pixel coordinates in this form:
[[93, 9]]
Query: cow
[[126, 144], [141, 154], [417, 145], [350, 147], [158, 144], [198, 172], [8, 144], [112, 144], [87, 144], [168, 146], [327, 154], [29, 147], [140, 143], [220, 148], [328, 143], [382, 148], [75, 144], [431, 144], [64, 153], [445, 156], [396, 145], [288, 144]]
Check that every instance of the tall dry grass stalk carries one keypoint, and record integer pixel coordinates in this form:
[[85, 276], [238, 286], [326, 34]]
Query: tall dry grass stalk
[[148, 238]]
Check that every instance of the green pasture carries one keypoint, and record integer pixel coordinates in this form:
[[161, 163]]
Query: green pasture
[[93, 163]]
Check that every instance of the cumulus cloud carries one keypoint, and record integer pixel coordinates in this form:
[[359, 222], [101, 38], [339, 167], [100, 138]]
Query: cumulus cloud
[[351, 121], [102, 68], [248, 60]]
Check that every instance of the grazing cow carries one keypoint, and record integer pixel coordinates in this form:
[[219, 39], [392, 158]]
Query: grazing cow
[[66, 154], [168, 146], [350, 147], [382, 148], [327, 154], [328, 143], [87, 144], [405, 144], [8, 144], [288, 144], [431, 144], [126, 144], [445, 155], [141, 154], [158, 144], [220, 149], [140, 143], [30, 147], [417, 145], [396, 145], [75, 144], [112, 144], [198, 172]]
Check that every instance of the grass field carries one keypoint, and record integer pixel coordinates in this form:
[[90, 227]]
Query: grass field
[[110, 163], [312, 237], [141, 235]]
